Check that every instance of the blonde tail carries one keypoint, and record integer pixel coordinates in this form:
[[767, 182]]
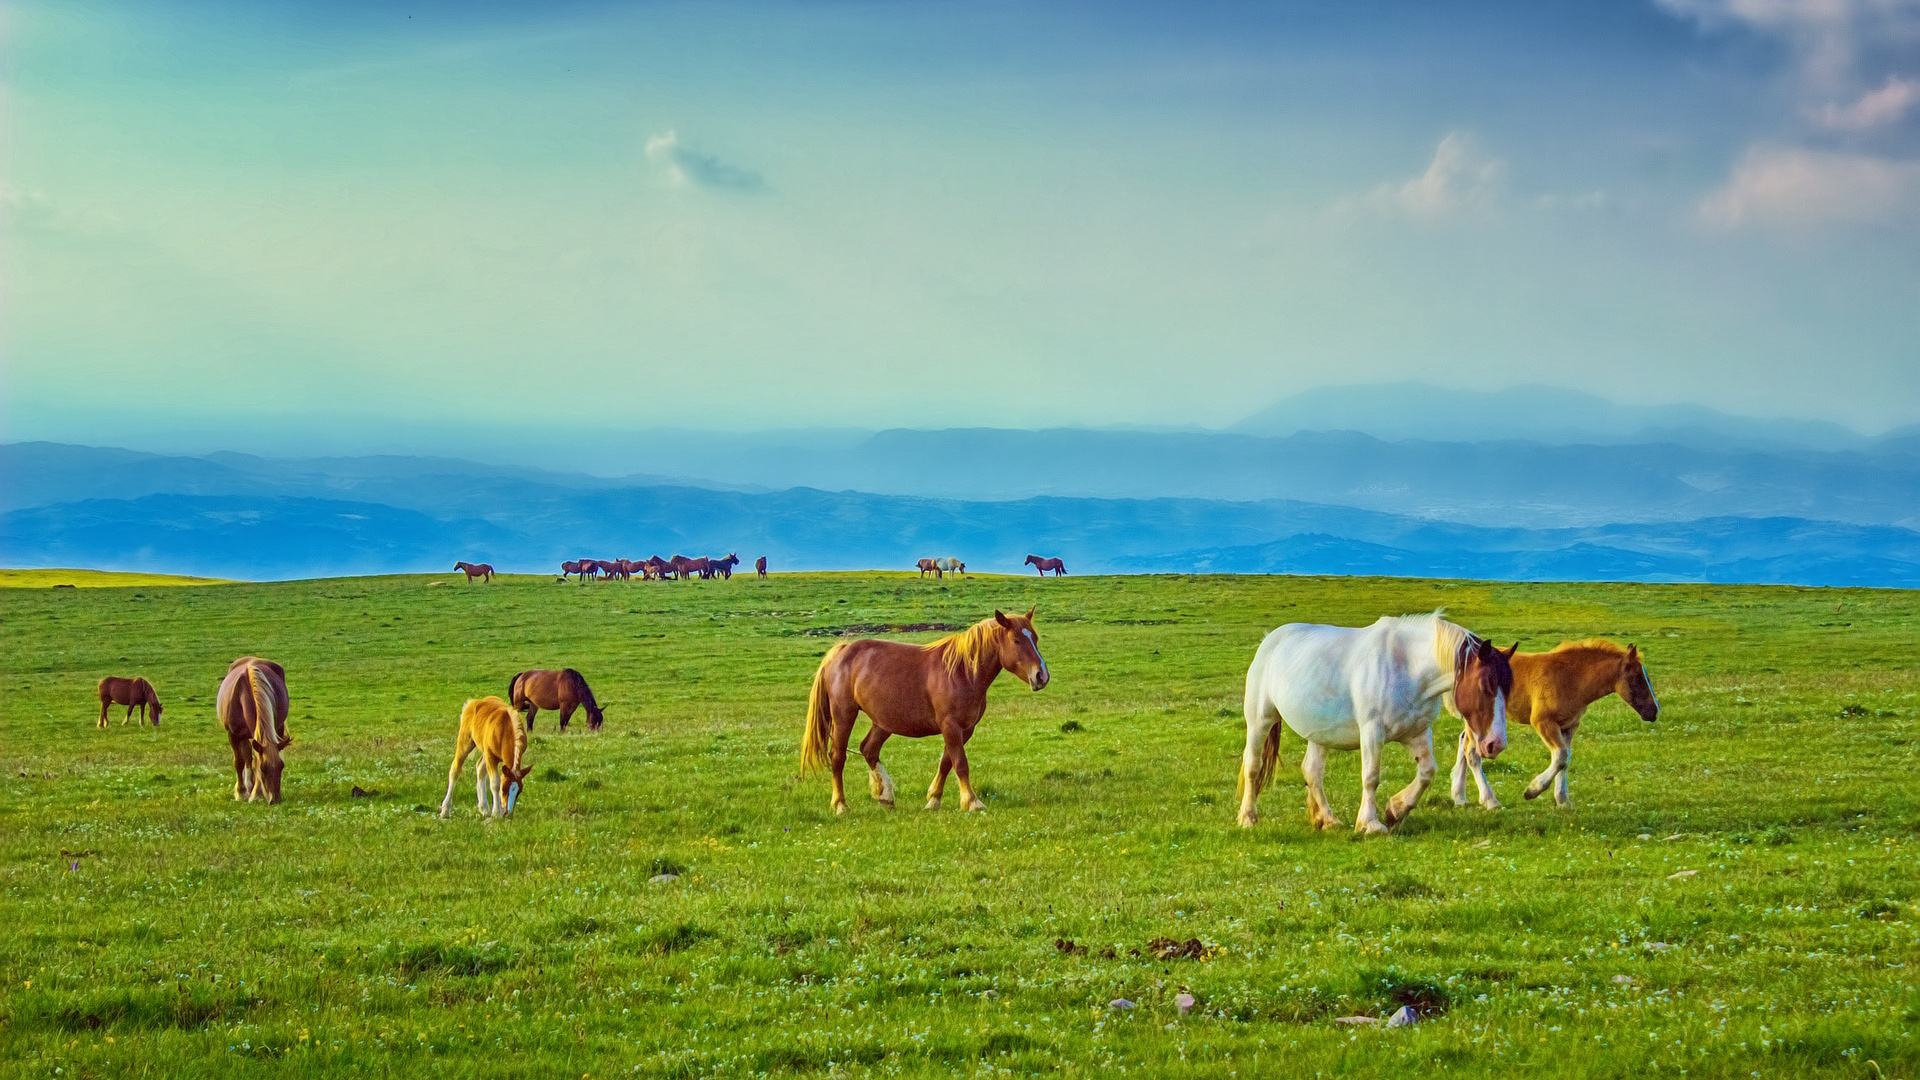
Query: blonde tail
[[1263, 769], [818, 734], [266, 727]]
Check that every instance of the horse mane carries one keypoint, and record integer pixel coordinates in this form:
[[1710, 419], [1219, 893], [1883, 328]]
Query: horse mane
[[1594, 643], [519, 737], [577, 679], [967, 648], [1451, 641]]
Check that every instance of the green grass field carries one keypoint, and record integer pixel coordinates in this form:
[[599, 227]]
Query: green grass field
[[156, 927]]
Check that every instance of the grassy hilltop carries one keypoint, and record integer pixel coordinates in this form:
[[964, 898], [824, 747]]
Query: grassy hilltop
[[155, 925]]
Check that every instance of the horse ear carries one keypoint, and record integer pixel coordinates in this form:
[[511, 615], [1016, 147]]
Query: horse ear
[[1001, 618], [286, 741], [1513, 649], [1030, 612]]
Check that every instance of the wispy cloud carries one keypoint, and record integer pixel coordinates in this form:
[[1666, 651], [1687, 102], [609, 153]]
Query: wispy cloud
[[1831, 40], [1874, 109], [685, 166], [1792, 186], [1461, 180]]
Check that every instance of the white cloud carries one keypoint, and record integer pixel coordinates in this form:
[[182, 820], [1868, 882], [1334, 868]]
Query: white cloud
[[1828, 38], [1791, 186], [1460, 180], [1873, 109], [685, 166]]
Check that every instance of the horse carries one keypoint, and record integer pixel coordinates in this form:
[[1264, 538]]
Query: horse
[[574, 566], [684, 567], [1551, 691], [658, 567], [1044, 565], [915, 690], [929, 566], [1349, 688], [564, 690], [252, 704], [760, 566], [723, 567], [134, 693], [489, 725], [480, 570], [950, 566]]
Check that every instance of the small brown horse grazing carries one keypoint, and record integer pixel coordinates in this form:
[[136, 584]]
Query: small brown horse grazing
[[915, 690], [482, 571], [253, 705], [1551, 691], [927, 567], [564, 690], [1044, 565], [133, 693], [760, 566], [489, 725]]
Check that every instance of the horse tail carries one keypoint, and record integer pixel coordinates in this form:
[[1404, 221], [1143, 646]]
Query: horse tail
[[818, 734], [1264, 765], [266, 727], [512, 685], [1254, 707]]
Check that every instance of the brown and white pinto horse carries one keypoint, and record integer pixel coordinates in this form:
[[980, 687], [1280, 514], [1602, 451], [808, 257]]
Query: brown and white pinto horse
[[133, 693], [483, 571], [1551, 691], [564, 690], [253, 706], [915, 690], [928, 566], [760, 566], [1044, 565]]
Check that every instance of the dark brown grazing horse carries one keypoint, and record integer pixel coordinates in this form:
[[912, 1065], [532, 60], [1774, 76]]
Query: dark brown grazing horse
[[1044, 565], [253, 706], [689, 568], [572, 566], [482, 571], [564, 690], [927, 567], [760, 566], [133, 693], [658, 567], [915, 690]]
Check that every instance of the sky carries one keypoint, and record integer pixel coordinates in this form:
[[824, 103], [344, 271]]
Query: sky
[[232, 222]]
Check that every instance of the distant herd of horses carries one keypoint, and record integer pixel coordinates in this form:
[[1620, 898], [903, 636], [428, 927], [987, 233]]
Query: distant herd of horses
[[1337, 687], [682, 568]]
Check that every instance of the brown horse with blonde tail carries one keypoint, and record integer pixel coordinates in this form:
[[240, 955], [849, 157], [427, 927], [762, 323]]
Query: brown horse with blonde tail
[[915, 690], [1551, 691], [563, 691], [483, 571], [252, 705], [133, 693]]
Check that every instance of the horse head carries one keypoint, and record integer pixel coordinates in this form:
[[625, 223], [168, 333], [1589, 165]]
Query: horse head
[[1033, 560], [596, 716], [511, 781], [1482, 682], [153, 709], [1020, 648], [267, 759], [1635, 688]]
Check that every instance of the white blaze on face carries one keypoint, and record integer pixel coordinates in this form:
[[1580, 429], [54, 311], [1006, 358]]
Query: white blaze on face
[[1496, 739], [1655, 698], [1044, 676], [513, 794]]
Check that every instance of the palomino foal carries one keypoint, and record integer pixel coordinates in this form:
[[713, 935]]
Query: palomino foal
[[1359, 688], [489, 725], [1551, 691]]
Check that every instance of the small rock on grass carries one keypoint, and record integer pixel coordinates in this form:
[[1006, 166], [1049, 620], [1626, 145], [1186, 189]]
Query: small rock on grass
[[1120, 1004], [1681, 874], [1658, 946], [658, 879], [1355, 1020], [1623, 980], [1406, 1017], [1184, 1002]]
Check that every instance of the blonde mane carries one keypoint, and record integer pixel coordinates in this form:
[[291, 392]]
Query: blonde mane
[[1597, 644], [519, 738], [967, 648], [1450, 641]]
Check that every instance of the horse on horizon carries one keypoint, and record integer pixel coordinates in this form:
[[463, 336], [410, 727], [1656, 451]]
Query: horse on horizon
[[134, 693], [950, 566], [686, 568], [939, 688], [488, 725], [760, 566], [657, 568], [563, 691], [929, 566], [573, 566], [723, 567], [1551, 692], [483, 571], [1044, 565], [1359, 688], [253, 705]]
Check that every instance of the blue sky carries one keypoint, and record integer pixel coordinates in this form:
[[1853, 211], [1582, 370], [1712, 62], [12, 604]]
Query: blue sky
[[387, 217]]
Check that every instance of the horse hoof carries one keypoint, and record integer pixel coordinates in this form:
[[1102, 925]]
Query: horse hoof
[[888, 803], [1531, 793], [1247, 820], [840, 809], [1371, 828], [975, 805], [933, 804]]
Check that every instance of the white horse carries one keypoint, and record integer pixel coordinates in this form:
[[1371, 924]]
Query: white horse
[[1350, 688], [950, 566]]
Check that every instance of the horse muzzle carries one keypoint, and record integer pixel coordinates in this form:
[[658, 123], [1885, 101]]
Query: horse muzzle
[[1491, 746], [1039, 679]]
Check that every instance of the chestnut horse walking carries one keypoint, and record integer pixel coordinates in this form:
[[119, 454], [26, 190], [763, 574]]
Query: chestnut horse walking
[[1044, 565], [915, 690], [1551, 691], [253, 706], [133, 693], [564, 690], [482, 571]]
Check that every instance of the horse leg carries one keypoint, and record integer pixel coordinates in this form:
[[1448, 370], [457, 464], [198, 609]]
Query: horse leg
[[1254, 771], [956, 741], [1367, 821], [1424, 768], [843, 720], [104, 702], [242, 756], [1313, 766], [532, 711], [566, 714], [462, 744], [1560, 749], [877, 779], [482, 795], [1475, 766], [939, 785]]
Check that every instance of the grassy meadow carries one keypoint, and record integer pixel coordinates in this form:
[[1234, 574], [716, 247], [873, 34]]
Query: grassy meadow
[[156, 927]]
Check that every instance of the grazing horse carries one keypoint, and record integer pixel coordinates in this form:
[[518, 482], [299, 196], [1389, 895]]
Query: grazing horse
[[915, 690], [1348, 688], [658, 567], [686, 568], [134, 693], [572, 567], [564, 690], [929, 566], [760, 566], [950, 566], [481, 570], [253, 706], [490, 726], [1551, 692], [1044, 565], [723, 567]]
